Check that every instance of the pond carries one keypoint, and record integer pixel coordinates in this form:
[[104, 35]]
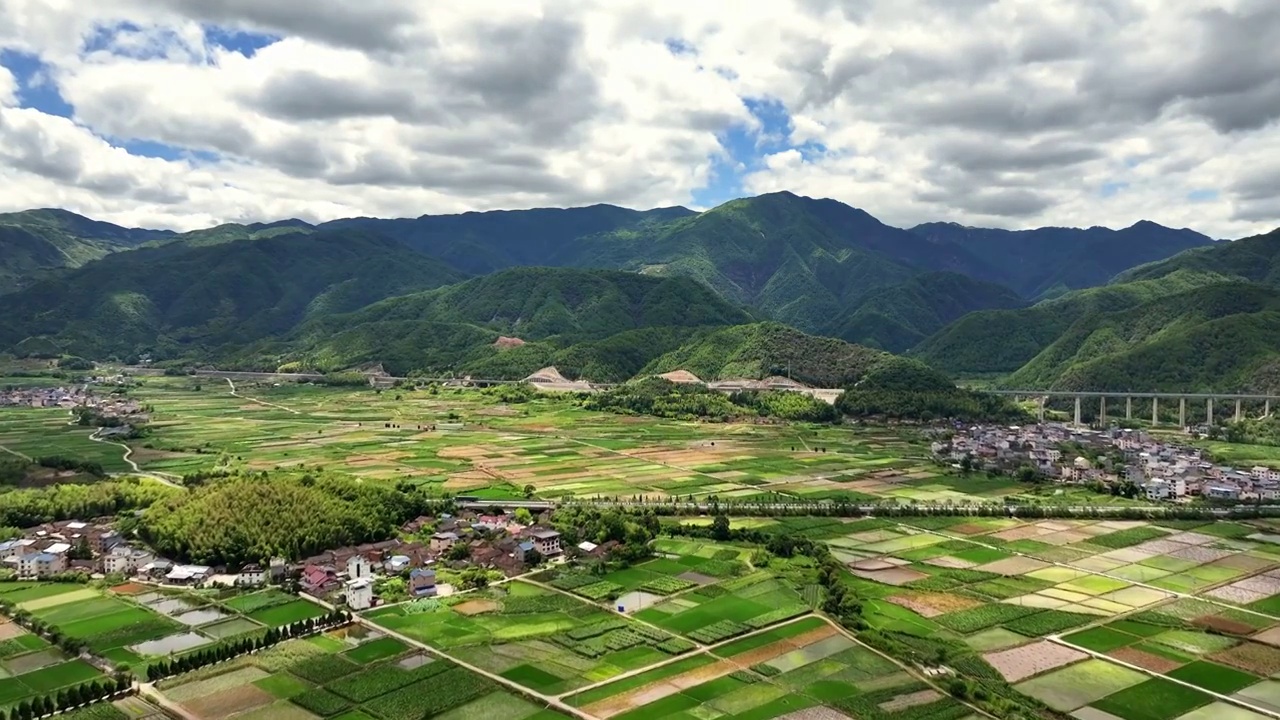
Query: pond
[[200, 617], [171, 606], [170, 644]]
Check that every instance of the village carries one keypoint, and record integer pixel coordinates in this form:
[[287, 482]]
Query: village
[[431, 557], [1113, 457], [74, 397]]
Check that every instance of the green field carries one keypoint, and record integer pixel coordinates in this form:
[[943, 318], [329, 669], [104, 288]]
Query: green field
[[375, 678], [541, 639]]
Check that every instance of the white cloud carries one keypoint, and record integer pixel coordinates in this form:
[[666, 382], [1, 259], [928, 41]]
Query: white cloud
[[987, 112], [8, 87]]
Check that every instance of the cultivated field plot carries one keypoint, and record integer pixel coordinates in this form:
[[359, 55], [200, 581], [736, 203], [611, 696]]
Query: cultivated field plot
[[129, 628], [544, 640], [1168, 641], [30, 666], [349, 673], [684, 566], [806, 664], [549, 443], [44, 432], [726, 609]]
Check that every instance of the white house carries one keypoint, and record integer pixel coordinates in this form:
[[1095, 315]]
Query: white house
[[125, 560], [1259, 472], [358, 566], [360, 593], [251, 575], [41, 564]]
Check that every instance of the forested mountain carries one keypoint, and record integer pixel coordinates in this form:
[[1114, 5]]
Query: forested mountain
[[899, 317], [181, 301], [1002, 341], [1254, 259], [601, 292], [481, 242], [1214, 337], [1050, 261], [34, 242], [1205, 319], [603, 323]]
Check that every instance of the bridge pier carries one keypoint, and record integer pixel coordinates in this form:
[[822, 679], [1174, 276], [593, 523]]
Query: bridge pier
[[1102, 411], [1239, 410], [1040, 410], [1182, 412], [1155, 411], [1208, 412], [1266, 408], [1077, 423], [1128, 408]]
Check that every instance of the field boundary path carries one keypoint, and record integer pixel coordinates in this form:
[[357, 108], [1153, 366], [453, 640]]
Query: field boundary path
[[15, 453], [256, 400], [154, 695], [1057, 639], [162, 478]]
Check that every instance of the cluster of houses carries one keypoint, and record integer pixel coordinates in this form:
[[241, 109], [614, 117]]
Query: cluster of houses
[[71, 398], [493, 542], [1160, 470]]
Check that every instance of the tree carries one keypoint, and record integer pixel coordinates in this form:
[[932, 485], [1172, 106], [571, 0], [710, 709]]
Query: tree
[[533, 558], [529, 491], [523, 516], [966, 464], [720, 527], [81, 550], [460, 551]]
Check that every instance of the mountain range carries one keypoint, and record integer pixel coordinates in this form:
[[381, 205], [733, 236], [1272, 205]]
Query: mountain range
[[606, 293]]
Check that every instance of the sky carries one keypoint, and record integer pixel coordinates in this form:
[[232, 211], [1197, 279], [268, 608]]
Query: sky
[[1006, 113]]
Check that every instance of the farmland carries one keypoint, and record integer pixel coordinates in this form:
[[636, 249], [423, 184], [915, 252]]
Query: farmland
[[349, 673], [484, 447], [1138, 620], [128, 626]]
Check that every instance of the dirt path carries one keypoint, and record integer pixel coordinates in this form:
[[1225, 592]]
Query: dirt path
[[256, 400], [148, 692], [15, 453], [135, 470]]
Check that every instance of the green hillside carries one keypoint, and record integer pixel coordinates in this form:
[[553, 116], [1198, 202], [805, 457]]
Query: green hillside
[[1255, 259], [178, 301], [1168, 322], [482, 242], [604, 325], [1002, 341], [1047, 262], [898, 318], [36, 242], [764, 349]]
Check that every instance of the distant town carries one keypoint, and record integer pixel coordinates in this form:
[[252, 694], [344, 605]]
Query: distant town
[[1153, 468]]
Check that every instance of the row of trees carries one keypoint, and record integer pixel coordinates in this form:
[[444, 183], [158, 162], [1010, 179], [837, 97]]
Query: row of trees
[[68, 698], [235, 648]]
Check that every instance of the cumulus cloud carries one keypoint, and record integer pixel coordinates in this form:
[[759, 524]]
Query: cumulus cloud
[[980, 111]]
